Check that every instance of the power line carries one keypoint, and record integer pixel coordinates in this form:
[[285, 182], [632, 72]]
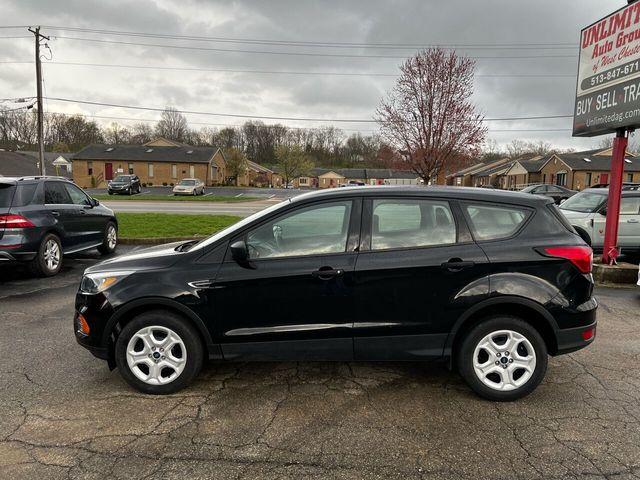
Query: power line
[[303, 54], [108, 117], [314, 43], [273, 117], [283, 72]]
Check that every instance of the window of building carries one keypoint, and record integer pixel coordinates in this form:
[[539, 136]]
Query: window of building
[[192, 171], [561, 179], [303, 181], [492, 222], [587, 181], [150, 170], [544, 178], [174, 170], [311, 230], [629, 177], [89, 168], [411, 223], [130, 168]]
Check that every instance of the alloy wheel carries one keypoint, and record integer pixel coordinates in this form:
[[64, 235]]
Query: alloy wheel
[[51, 255], [156, 355], [504, 360], [112, 237]]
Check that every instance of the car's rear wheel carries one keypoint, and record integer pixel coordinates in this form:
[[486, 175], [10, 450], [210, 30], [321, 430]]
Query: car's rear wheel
[[109, 240], [503, 358], [158, 352], [48, 260]]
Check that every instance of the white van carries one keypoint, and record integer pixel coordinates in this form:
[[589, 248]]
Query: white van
[[587, 210]]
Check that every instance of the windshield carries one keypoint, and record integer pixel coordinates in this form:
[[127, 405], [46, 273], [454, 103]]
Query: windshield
[[187, 182], [585, 202], [528, 189], [122, 178]]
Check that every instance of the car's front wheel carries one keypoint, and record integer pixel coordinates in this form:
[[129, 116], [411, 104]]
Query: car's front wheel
[[503, 358], [158, 352], [48, 260], [109, 240]]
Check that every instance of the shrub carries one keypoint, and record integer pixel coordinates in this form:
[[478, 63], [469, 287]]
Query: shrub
[[93, 181], [144, 184], [150, 184], [171, 184], [164, 184]]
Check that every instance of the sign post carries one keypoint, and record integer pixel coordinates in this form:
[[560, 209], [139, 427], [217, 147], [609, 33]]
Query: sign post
[[608, 98]]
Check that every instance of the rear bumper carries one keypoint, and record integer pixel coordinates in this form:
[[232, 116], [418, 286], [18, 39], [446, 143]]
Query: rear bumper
[[17, 256], [572, 339]]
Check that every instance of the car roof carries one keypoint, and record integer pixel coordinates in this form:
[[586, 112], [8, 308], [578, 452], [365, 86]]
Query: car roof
[[452, 192], [15, 180]]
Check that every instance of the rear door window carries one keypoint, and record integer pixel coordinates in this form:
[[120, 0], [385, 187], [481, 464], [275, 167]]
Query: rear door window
[[494, 222], [630, 206], [411, 223], [56, 194]]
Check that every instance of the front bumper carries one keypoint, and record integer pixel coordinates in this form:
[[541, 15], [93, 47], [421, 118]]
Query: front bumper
[[96, 311]]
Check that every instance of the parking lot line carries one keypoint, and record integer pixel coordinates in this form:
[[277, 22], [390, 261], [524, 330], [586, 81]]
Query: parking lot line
[[239, 195]]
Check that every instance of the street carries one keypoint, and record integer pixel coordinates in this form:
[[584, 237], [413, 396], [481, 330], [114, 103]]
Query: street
[[63, 414]]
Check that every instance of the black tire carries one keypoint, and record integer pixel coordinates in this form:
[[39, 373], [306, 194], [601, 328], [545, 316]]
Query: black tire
[[110, 192], [39, 265], [107, 247], [129, 191], [138, 190], [465, 358], [165, 319]]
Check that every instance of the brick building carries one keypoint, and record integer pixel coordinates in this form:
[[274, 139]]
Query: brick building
[[157, 162]]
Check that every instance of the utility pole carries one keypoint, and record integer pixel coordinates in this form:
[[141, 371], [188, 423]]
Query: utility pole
[[38, 36]]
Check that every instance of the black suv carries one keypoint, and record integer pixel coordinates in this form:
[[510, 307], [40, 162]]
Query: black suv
[[44, 218], [126, 184], [490, 281]]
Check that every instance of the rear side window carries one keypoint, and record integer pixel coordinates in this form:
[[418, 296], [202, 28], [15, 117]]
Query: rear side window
[[24, 194], [559, 216], [411, 223], [493, 222], [630, 206], [6, 194]]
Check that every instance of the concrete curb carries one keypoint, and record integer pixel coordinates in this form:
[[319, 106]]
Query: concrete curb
[[156, 241], [623, 273]]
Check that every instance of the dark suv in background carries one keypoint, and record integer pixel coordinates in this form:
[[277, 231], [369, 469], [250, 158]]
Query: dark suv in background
[[490, 281], [44, 218], [125, 184]]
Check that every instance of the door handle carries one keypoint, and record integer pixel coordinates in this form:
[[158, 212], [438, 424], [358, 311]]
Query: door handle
[[327, 273], [457, 265], [632, 220], [55, 213]]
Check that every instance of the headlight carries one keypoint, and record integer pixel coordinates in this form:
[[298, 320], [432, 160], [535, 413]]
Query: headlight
[[93, 283]]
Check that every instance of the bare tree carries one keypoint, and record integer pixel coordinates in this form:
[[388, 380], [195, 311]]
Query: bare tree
[[172, 125], [117, 134], [293, 161], [429, 115], [141, 133]]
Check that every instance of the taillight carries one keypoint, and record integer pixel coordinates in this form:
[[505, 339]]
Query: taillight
[[580, 256], [14, 221]]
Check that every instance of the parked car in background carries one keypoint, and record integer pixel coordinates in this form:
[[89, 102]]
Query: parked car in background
[[44, 218], [558, 193], [587, 210], [490, 281], [189, 186], [125, 184]]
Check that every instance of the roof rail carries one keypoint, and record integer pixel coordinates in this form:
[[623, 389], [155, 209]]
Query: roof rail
[[39, 177]]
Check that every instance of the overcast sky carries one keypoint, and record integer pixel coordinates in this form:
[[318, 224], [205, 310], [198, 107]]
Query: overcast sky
[[415, 22]]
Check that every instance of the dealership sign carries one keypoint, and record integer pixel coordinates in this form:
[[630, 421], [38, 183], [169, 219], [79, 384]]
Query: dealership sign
[[608, 90]]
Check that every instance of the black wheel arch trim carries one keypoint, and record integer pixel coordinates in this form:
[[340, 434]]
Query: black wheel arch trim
[[490, 302], [158, 302]]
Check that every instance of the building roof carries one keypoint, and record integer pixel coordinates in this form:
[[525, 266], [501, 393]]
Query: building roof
[[479, 167], [18, 164], [594, 160], [258, 168], [535, 164], [142, 153], [494, 170]]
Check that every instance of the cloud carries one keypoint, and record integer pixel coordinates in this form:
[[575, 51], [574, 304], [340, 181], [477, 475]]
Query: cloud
[[470, 25]]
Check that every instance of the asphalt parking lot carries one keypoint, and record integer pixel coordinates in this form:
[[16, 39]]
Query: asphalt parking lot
[[64, 415], [223, 191]]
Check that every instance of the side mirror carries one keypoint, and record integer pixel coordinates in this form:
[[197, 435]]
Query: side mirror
[[95, 202], [603, 212], [240, 254]]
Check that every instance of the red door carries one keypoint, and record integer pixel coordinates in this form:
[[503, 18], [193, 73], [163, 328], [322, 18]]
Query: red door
[[604, 178], [108, 171]]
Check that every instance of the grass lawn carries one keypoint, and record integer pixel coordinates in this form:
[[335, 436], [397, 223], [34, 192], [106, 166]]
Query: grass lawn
[[179, 198], [169, 225]]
